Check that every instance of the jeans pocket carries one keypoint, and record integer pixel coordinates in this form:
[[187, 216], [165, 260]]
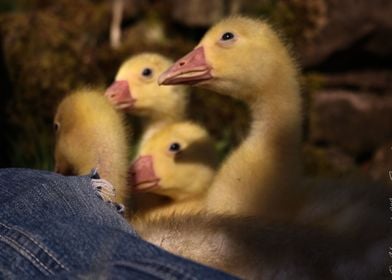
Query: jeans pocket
[[33, 256]]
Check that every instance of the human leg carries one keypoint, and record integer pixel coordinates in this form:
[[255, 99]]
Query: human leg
[[53, 225]]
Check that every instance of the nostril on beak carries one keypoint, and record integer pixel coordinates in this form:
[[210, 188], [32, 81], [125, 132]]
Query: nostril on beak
[[113, 95], [182, 63]]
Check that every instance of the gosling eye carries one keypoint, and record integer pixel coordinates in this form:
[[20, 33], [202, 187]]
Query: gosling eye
[[174, 147], [147, 72], [56, 126], [227, 36]]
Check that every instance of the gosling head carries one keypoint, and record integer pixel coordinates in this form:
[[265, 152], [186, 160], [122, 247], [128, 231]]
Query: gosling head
[[135, 89], [237, 57], [73, 125], [179, 161]]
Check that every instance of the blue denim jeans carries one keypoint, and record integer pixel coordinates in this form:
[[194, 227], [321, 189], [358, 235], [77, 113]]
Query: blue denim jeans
[[52, 226]]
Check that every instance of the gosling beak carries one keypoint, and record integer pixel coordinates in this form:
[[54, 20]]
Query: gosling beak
[[120, 96], [142, 173], [191, 69]]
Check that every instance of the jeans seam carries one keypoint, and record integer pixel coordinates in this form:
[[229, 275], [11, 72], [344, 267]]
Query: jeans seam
[[156, 267], [151, 270], [38, 244], [29, 255]]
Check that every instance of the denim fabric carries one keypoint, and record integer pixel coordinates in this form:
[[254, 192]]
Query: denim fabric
[[52, 226]]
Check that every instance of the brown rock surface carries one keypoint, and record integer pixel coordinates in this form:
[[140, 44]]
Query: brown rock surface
[[330, 161], [358, 123], [363, 80], [197, 12], [331, 25], [380, 167]]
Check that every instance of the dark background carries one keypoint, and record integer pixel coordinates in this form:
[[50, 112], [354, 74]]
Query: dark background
[[49, 48]]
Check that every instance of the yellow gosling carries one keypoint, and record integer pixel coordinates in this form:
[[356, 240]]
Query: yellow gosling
[[90, 133]]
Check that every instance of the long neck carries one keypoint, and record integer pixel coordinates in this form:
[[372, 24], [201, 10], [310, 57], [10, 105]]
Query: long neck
[[166, 115], [262, 173], [154, 122]]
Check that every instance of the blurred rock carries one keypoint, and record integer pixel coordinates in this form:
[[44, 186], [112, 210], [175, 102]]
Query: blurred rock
[[148, 33], [381, 164], [358, 123], [326, 26], [363, 80], [132, 8], [197, 13], [330, 161], [340, 161]]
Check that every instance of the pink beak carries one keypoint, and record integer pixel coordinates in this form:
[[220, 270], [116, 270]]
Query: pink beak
[[143, 177], [190, 69], [120, 96]]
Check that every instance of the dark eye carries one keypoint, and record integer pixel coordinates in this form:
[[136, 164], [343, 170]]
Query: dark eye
[[56, 126], [227, 36], [174, 147], [147, 72]]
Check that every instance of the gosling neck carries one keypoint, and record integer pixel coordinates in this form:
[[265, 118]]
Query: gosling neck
[[163, 117], [259, 178], [156, 121]]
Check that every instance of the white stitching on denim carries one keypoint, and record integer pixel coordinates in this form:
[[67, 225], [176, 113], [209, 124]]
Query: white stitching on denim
[[29, 256], [37, 243], [154, 268]]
